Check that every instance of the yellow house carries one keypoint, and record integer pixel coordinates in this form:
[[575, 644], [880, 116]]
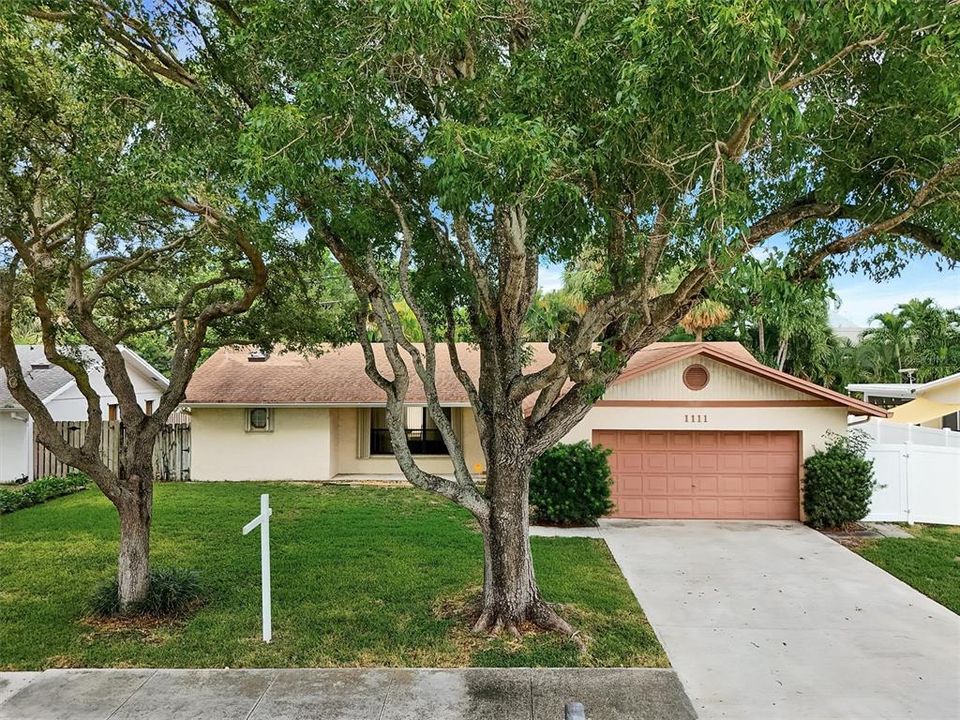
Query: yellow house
[[934, 404], [695, 429]]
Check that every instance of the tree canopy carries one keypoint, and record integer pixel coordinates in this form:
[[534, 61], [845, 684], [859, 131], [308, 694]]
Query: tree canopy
[[441, 151]]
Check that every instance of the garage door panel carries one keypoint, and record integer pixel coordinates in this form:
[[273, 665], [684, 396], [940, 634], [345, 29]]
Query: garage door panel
[[730, 462], [652, 485], [651, 440], [607, 438], [781, 462], [655, 462], [732, 507], [706, 462], [704, 474], [706, 440], [653, 507], [632, 462], [783, 442], [730, 485], [707, 484], [730, 440], [706, 507]]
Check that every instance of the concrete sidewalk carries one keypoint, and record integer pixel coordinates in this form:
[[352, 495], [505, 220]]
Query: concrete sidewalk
[[348, 694]]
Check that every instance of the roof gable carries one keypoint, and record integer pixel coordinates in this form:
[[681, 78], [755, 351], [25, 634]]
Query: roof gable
[[51, 381], [726, 383]]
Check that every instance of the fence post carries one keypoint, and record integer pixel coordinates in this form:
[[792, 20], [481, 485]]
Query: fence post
[[906, 479]]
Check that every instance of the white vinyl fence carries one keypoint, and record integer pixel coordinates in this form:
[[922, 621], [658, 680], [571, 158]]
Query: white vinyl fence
[[918, 473], [888, 432]]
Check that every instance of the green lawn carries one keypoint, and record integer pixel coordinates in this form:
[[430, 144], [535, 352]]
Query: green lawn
[[930, 561], [362, 576]]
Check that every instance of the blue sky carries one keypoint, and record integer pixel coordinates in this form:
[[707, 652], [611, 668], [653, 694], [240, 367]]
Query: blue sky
[[861, 297]]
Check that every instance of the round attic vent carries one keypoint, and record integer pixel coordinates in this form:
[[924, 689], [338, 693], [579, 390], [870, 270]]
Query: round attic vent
[[696, 377]]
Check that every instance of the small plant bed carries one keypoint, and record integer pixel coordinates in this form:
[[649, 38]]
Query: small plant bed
[[929, 561], [40, 490], [173, 593], [362, 577]]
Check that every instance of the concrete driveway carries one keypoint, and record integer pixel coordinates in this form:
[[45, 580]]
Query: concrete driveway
[[774, 620]]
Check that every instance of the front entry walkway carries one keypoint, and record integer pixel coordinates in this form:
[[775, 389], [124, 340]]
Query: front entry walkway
[[348, 694], [774, 620]]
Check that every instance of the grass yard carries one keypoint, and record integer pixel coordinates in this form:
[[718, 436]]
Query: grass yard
[[930, 561], [362, 576]]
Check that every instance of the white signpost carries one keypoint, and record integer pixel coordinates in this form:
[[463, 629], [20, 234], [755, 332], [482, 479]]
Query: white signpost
[[263, 521]]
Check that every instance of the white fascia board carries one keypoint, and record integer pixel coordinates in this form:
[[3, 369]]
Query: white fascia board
[[149, 370], [60, 391]]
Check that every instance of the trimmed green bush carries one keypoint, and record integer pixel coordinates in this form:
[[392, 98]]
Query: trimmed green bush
[[173, 591], [838, 483], [570, 485], [40, 490]]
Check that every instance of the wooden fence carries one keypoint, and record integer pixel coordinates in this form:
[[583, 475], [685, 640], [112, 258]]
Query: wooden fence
[[171, 453]]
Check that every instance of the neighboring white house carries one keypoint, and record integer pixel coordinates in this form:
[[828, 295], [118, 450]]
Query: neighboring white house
[[59, 392], [696, 430], [934, 404]]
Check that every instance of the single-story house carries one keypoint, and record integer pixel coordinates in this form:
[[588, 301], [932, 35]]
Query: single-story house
[[934, 404], [698, 430], [59, 392]]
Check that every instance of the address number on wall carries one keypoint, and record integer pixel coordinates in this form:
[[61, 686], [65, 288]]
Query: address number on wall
[[695, 418]]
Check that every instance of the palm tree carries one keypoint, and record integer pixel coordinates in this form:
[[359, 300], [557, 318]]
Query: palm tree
[[704, 315], [893, 332]]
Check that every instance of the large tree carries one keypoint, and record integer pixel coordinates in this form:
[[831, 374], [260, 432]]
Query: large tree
[[101, 242], [442, 151]]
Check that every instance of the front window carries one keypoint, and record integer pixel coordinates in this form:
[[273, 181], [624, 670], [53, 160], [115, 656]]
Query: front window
[[423, 437]]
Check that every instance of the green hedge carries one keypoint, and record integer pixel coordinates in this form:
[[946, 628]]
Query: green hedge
[[838, 483], [40, 490], [570, 485]]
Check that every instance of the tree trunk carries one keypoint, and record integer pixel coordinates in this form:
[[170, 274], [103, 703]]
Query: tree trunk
[[136, 514], [511, 598]]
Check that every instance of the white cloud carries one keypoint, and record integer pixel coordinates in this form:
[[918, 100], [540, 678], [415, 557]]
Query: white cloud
[[551, 277]]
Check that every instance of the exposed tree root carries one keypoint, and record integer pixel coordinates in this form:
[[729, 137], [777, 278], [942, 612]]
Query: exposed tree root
[[539, 616]]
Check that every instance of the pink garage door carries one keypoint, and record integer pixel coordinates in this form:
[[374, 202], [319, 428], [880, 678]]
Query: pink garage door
[[704, 474]]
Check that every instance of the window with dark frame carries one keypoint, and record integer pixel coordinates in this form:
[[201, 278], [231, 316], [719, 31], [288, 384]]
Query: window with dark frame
[[259, 419], [423, 437]]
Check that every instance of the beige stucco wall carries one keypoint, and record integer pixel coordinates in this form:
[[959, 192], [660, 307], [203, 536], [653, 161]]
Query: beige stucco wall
[[298, 448], [320, 443], [726, 384], [346, 424]]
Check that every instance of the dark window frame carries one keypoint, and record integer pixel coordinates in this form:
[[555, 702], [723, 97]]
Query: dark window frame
[[423, 440]]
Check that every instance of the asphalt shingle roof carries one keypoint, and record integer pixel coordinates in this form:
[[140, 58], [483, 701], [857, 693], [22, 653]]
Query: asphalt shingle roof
[[337, 376], [44, 381]]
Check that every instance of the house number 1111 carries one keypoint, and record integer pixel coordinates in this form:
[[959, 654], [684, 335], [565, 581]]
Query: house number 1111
[[694, 418]]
